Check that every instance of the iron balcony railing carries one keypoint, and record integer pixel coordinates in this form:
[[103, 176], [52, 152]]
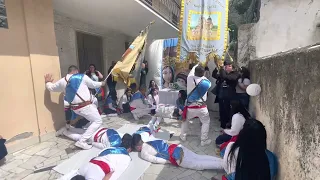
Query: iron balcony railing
[[168, 9]]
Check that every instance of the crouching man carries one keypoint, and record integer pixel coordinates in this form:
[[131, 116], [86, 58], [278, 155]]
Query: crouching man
[[108, 165], [160, 152]]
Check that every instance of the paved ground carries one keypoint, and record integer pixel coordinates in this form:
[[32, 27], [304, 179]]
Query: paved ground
[[36, 162]]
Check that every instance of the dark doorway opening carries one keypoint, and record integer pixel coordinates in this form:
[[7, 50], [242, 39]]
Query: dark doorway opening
[[89, 51]]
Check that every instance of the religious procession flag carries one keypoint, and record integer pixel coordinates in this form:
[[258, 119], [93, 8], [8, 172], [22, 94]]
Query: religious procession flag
[[129, 67], [203, 30]]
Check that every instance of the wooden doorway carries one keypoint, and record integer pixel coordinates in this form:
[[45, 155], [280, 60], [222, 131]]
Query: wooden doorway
[[89, 52]]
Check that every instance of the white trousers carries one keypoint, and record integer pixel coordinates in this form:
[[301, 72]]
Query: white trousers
[[91, 113], [154, 122], [204, 117], [195, 161], [95, 101], [140, 112], [91, 172], [74, 133]]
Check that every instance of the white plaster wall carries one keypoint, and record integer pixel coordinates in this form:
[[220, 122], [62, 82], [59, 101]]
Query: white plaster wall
[[65, 29], [287, 24]]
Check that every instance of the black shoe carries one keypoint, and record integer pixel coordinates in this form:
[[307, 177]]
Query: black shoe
[[171, 135]]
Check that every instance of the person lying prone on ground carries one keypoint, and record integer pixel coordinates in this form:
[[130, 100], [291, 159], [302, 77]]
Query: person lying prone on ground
[[108, 165], [102, 138], [160, 152]]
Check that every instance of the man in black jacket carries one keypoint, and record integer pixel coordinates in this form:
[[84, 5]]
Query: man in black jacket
[[227, 79]]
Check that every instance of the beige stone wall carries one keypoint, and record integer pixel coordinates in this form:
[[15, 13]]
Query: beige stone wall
[[28, 51], [289, 107]]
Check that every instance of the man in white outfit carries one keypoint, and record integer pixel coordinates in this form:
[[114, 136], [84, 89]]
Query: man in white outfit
[[77, 94], [160, 152], [197, 88], [109, 164], [101, 139]]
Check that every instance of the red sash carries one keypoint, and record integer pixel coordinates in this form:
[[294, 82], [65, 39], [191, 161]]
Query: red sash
[[81, 105], [170, 150], [104, 166], [132, 108], [95, 138], [185, 110], [225, 144], [224, 177]]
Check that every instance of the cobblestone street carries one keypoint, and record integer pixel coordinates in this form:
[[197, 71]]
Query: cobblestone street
[[36, 162]]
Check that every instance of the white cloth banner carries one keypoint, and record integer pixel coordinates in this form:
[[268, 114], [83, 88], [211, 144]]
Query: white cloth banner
[[154, 58]]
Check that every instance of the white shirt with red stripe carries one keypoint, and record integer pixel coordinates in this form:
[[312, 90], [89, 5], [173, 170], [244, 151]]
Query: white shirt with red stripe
[[83, 90], [101, 166], [100, 138], [191, 85]]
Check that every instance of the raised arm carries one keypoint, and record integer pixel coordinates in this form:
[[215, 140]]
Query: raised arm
[[191, 73], [100, 76], [58, 86], [92, 84], [215, 73]]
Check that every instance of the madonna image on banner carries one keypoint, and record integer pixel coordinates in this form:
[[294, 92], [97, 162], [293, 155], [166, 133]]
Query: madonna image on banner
[[172, 76]]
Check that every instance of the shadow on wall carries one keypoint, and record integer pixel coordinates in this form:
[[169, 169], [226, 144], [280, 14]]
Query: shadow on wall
[[58, 118], [289, 107]]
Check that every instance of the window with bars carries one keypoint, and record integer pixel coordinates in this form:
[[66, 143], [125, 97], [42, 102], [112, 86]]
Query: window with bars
[[3, 15], [174, 19], [149, 2]]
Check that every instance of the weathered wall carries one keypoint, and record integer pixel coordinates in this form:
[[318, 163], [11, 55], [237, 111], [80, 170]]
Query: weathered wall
[[283, 25], [28, 51], [66, 28], [289, 107], [287, 24], [246, 39]]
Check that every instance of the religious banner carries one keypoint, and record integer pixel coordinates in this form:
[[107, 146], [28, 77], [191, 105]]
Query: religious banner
[[173, 76], [203, 30], [129, 67]]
